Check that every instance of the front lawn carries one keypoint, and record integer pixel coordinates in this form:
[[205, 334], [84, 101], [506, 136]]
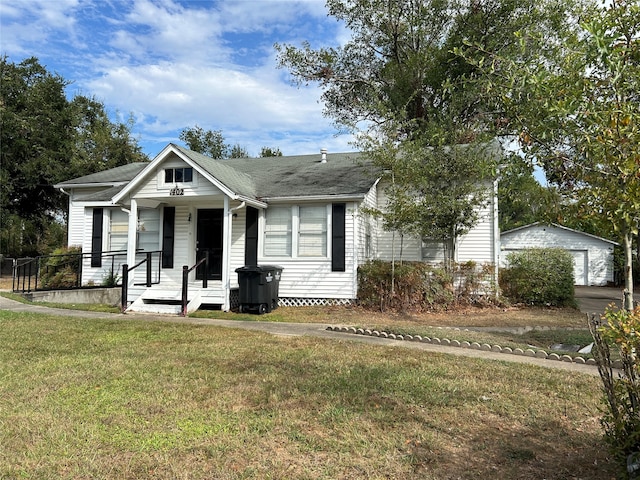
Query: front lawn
[[125, 398]]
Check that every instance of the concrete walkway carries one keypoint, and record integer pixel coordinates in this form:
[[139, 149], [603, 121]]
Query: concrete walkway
[[306, 329]]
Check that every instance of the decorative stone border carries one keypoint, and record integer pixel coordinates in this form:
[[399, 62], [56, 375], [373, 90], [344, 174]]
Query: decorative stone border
[[529, 352]]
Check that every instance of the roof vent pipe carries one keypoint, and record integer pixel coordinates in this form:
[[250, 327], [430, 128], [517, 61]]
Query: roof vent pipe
[[323, 151]]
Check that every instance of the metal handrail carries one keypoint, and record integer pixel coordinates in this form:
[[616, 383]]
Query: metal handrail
[[125, 277], [28, 272], [185, 280]]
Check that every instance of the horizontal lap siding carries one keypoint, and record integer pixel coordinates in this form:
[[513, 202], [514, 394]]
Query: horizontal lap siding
[[313, 278], [237, 245], [478, 244]]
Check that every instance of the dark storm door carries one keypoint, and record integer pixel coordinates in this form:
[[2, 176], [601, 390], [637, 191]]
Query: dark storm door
[[209, 239]]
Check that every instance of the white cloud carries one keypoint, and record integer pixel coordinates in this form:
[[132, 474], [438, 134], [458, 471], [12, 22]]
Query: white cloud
[[176, 64]]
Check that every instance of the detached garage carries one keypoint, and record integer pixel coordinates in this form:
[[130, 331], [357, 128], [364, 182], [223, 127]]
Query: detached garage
[[592, 256]]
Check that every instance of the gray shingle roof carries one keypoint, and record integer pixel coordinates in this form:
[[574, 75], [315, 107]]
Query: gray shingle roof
[[343, 174], [124, 173], [292, 176]]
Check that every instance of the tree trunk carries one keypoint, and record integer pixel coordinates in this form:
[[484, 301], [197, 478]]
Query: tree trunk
[[628, 271]]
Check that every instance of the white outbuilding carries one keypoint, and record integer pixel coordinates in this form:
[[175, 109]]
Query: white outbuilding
[[592, 255]]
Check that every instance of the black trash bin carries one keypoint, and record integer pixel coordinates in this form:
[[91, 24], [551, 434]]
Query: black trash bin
[[258, 287]]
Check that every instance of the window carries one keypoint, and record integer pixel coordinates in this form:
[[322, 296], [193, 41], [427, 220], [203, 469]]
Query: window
[[312, 231], [148, 230], [119, 231], [277, 231], [296, 231], [178, 175]]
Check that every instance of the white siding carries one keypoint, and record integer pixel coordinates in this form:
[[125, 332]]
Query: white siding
[[367, 228], [154, 187], [313, 278], [237, 244], [593, 257], [478, 245]]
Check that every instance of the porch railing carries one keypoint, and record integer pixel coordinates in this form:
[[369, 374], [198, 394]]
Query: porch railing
[[62, 271], [185, 280], [148, 262]]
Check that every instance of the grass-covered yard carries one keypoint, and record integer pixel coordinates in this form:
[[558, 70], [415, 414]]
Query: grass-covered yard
[[125, 398]]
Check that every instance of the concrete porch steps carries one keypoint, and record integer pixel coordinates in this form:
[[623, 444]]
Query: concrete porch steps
[[167, 299]]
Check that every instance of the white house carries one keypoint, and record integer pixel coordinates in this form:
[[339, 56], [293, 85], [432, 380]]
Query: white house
[[592, 255], [302, 213]]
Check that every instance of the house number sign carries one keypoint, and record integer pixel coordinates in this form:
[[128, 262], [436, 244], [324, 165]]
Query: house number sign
[[176, 191]]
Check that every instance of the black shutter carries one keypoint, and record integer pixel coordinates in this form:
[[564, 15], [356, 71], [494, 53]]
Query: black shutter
[[168, 233], [251, 237], [96, 238], [337, 237]]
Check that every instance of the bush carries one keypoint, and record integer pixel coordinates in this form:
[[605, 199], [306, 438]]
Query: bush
[[419, 286], [61, 269], [539, 276], [619, 329]]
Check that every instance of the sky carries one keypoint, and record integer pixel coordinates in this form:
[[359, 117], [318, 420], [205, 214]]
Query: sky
[[175, 64]]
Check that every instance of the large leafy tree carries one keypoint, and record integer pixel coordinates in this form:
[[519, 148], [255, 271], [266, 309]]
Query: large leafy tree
[[523, 200], [44, 139], [211, 143], [398, 84], [579, 115]]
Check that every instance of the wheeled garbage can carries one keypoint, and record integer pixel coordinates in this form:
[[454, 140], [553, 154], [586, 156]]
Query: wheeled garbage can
[[259, 286]]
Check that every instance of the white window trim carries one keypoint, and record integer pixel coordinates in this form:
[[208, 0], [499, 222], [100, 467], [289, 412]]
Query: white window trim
[[295, 236], [162, 185]]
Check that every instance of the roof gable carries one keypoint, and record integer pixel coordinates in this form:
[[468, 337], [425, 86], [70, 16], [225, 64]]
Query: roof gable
[[555, 225], [257, 179]]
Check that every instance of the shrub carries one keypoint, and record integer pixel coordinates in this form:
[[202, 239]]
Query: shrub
[[61, 268], [418, 286], [619, 329], [539, 276]]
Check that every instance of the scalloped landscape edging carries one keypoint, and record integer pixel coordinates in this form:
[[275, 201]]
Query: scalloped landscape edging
[[529, 352]]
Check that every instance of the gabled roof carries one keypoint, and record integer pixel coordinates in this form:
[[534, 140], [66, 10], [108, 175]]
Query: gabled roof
[[542, 224], [258, 179]]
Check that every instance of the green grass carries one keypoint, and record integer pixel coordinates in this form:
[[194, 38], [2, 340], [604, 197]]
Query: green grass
[[124, 398]]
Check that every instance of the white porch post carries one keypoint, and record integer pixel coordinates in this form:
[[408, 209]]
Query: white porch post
[[226, 253], [132, 238]]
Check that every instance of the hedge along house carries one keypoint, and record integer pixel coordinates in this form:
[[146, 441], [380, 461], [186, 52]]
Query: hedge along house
[[302, 213], [592, 255]]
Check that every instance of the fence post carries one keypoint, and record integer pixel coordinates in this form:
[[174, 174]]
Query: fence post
[[148, 269], [125, 287], [185, 285]]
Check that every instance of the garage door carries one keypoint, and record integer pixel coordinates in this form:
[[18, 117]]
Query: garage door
[[580, 267]]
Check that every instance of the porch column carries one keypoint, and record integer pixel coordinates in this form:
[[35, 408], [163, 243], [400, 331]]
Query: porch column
[[226, 253], [132, 238]]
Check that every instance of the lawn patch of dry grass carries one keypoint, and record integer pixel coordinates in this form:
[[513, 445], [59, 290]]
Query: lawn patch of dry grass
[[131, 399]]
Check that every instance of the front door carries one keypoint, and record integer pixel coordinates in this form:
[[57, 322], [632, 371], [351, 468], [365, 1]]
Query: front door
[[209, 239]]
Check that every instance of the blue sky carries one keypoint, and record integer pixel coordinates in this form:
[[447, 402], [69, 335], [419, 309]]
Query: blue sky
[[175, 64]]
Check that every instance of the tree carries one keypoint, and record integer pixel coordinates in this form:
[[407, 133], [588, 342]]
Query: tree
[[238, 151], [46, 139], [211, 143], [270, 152], [523, 200], [207, 142], [577, 113], [398, 85], [100, 144]]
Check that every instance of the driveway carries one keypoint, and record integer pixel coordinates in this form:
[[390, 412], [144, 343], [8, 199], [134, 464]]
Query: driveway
[[596, 299]]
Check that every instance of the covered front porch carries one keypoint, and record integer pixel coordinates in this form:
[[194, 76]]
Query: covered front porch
[[200, 241]]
